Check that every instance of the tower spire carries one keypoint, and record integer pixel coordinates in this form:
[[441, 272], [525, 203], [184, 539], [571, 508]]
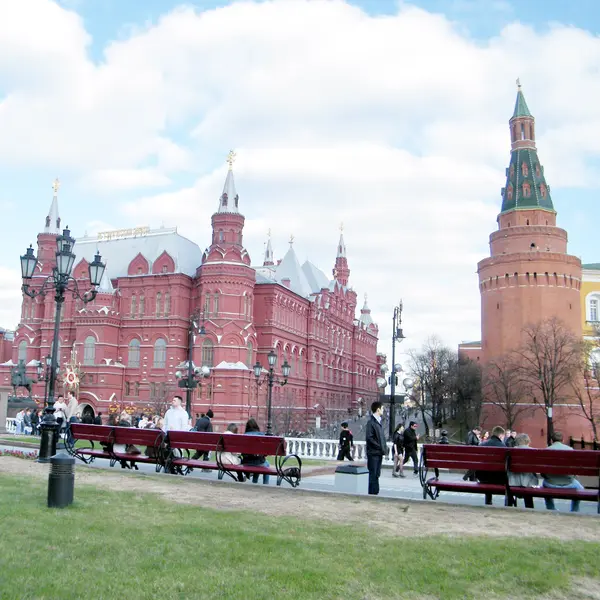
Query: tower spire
[[228, 203], [526, 186], [341, 272], [269, 261], [52, 219]]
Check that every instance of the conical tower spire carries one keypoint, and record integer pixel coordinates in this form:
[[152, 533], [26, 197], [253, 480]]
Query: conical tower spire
[[52, 219], [229, 198], [526, 186], [269, 260], [341, 272]]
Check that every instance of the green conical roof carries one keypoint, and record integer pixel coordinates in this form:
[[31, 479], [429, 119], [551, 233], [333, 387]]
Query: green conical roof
[[526, 186], [521, 108]]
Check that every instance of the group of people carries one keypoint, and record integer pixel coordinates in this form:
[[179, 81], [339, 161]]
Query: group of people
[[27, 421], [512, 439], [65, 411]]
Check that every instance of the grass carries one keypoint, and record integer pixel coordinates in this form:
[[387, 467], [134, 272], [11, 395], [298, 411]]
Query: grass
[[35, 441], [113, 545]]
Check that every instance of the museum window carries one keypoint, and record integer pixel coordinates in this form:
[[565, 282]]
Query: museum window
[[133, 305], [593, 309], [160, 353], [89, 350], [127, 389], [142, 305], [167, 305], [216, 305], [208, 350], [22, 356], [158, 303], [250, 349], [133, 359]]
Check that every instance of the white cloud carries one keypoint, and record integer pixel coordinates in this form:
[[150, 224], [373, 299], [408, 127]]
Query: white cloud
[[395, 125]]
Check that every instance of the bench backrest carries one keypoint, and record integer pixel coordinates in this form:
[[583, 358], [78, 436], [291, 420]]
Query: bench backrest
[[92, 433], [262, 445], [554, 462], [476, 458], [140, 437], [193, 440]]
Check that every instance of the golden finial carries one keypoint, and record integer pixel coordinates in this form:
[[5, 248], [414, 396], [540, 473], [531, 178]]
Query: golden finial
[[519, 84], [269, 233], [231, 159], [366, 297], [291, 240], [56, 186], [342, 227]]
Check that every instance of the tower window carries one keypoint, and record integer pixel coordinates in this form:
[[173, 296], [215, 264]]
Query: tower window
[[543, 192], [522, 131], [537, 170], [526, 192], [220, 235], [524, 169], [532, 246]]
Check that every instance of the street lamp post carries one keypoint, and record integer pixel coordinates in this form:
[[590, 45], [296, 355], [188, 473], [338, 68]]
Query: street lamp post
[[397, 335], [61, 282], [191, 381], [271, 378]]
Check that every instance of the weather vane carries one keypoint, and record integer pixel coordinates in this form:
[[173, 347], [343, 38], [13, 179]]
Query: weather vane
[[518, 83], [269, 233], [231, 159], [291, 240], [342, 227], [56, 186]]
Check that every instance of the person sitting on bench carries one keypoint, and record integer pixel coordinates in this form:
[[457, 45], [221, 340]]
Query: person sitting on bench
[[497, 440]]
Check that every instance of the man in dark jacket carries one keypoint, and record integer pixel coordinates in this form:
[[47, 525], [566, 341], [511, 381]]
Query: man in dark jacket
[[473, 439], [346, 443], [204, 424], [376, 447], [496, 440], [410, 446]]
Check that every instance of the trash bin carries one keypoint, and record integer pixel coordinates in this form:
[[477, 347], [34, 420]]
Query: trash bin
[[352, 479], [61, 481]]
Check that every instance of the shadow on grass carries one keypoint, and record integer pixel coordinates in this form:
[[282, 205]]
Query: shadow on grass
[[112, 545]]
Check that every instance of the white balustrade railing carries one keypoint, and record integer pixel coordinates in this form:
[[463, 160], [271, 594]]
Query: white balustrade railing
[[328, 449], [11, 425]]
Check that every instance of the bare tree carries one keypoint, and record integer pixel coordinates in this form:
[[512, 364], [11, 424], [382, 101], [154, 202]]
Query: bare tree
[[468, 398], [505, 388], [433, 367], [586, 386], [550, 358]]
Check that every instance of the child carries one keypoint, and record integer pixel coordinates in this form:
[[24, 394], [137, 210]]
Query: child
[[346, 443]]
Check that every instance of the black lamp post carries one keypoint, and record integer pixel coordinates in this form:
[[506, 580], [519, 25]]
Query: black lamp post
[[191, 381], [60, 281], [397, 335], [271, 378]]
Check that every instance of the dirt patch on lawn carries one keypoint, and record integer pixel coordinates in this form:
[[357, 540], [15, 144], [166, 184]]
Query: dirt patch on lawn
[[386, 515]]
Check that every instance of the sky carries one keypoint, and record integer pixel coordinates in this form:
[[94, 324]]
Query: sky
[[391, 117]]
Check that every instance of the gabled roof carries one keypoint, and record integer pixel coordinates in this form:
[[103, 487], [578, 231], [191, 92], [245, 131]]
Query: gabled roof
[[289, 268], [118, 253], [315, 277]]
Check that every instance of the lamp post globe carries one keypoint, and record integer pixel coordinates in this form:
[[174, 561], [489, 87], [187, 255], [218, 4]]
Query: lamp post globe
[[272, 358], [205, 370], [257, 368], [28, 263], [398, 368], [408, 383], [285, 369]]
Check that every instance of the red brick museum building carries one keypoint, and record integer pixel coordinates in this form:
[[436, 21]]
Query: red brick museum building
[[132, 339]]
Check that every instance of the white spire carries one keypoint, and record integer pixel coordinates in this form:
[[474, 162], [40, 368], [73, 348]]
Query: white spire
[[53, 220], [269, 252], [341, 251], [365, 314], [229, 198]]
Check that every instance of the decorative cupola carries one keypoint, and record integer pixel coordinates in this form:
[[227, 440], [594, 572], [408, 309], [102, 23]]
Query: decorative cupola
[[341, 272], [526, 186], [365, 314], [52, 219], [269, 260]]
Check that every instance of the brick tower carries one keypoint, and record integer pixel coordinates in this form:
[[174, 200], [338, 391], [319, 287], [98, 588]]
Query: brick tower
[[529, 275]]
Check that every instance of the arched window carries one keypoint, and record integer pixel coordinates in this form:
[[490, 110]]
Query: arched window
[[167, 304], [220, 235], [592, 308], [249, 361], [142, 305], [89, 350], [22, 356], [158, 303], [208, 351], [216, 304], [160, 353], [133, 360], [133, 305]]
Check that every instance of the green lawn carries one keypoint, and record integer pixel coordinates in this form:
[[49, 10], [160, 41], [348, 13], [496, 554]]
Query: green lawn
[[122, 545]]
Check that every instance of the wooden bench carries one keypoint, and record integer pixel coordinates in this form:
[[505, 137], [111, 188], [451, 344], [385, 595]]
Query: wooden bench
[[468, 458], [99, 436], [181, 444], [144, 438], [554, 462], [259, 445], [107, 436]]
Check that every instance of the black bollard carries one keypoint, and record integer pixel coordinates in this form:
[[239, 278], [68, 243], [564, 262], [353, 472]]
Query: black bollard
[[61, 481]]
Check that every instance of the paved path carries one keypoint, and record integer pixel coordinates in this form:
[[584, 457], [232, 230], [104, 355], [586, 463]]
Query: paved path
[[407, 488]]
